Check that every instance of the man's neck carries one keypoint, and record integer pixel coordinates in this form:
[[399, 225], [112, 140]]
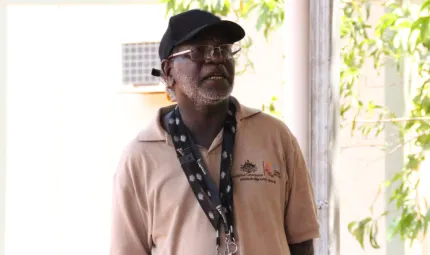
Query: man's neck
[[204, 122]]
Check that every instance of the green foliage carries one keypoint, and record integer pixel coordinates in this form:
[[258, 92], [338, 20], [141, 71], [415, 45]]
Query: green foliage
[[271, 12], [401, 35], [244, 63], [271, 108]]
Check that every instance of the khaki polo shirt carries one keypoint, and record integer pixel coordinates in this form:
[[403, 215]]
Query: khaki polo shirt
[[155, 211]]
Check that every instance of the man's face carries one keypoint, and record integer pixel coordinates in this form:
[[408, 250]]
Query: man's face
[[203, 82]]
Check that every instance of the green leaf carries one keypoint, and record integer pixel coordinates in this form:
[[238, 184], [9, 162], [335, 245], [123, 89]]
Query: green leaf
[[354, 125], [427, 216], [226, 8], [373, 235], [344, 109], [402, 23], [368, 7], [352, 226], [425, 6], [385, 22], [413, 163]]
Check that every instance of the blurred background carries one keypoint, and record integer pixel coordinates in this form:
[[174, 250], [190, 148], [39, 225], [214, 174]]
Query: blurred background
[[351, 78]]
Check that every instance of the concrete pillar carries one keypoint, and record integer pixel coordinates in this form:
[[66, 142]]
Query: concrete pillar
[[324, 94], [2, 125], [311, 109]]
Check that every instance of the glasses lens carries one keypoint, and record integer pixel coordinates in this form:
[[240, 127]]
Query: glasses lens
[[206, 52], [201, 52], [230, 50]]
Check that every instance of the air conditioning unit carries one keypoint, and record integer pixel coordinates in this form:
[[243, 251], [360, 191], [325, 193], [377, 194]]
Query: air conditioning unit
[[138, 59]]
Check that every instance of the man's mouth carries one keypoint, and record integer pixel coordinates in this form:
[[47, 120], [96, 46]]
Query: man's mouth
[[215, 77]]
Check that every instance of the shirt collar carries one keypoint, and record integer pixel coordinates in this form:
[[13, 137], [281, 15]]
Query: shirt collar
[[155, 132]]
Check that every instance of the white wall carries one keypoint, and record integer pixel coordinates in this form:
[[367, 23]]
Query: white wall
[[67, 125]]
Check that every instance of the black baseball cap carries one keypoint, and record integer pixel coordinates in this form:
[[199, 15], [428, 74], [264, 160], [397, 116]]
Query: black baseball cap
[[187, 25]]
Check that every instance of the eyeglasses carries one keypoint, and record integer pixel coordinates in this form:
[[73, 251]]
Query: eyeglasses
[[206, 52]]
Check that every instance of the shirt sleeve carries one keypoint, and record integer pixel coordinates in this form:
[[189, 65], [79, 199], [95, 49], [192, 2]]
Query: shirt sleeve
[[301, 221], [129, 225]]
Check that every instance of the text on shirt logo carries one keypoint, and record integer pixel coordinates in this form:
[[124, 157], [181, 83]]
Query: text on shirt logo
[[250, 172]]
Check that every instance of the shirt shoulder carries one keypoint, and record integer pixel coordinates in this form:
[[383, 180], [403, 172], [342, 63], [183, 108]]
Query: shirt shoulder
[[265, 124]]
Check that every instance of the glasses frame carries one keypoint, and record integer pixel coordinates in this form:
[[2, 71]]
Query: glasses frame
[[184, 52]]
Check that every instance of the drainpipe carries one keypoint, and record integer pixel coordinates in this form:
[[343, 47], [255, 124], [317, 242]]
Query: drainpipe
[[297, 86]]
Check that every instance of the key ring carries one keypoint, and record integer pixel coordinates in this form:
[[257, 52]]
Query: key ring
[[231, 248], [230, 245]]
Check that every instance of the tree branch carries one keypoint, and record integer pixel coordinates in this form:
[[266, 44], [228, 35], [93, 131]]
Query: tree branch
[[389, 152], [354, 146], [404, 119], [411, 139]]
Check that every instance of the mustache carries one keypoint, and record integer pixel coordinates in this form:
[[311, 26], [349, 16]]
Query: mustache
[[219, 70]]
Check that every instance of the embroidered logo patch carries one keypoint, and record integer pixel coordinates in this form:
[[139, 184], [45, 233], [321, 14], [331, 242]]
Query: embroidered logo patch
[[248, 167], [271, 170], [266, 172]]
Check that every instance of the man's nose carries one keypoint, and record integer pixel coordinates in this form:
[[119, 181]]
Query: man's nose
[[217, 56]]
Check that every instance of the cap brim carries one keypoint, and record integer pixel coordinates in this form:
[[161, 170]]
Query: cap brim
[[232, 31]]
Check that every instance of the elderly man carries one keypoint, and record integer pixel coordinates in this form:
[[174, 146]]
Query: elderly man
[[209, 175]]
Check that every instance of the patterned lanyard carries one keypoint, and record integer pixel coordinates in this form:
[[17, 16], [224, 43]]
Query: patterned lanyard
[[217, 204]]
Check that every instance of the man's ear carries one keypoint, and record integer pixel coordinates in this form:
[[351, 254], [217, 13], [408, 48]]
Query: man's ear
[[165, 69]]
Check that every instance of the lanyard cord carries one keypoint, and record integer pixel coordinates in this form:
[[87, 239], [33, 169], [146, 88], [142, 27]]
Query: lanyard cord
[[216, 203]]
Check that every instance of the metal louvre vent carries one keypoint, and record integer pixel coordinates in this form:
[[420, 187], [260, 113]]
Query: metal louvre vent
[[138, 59]]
